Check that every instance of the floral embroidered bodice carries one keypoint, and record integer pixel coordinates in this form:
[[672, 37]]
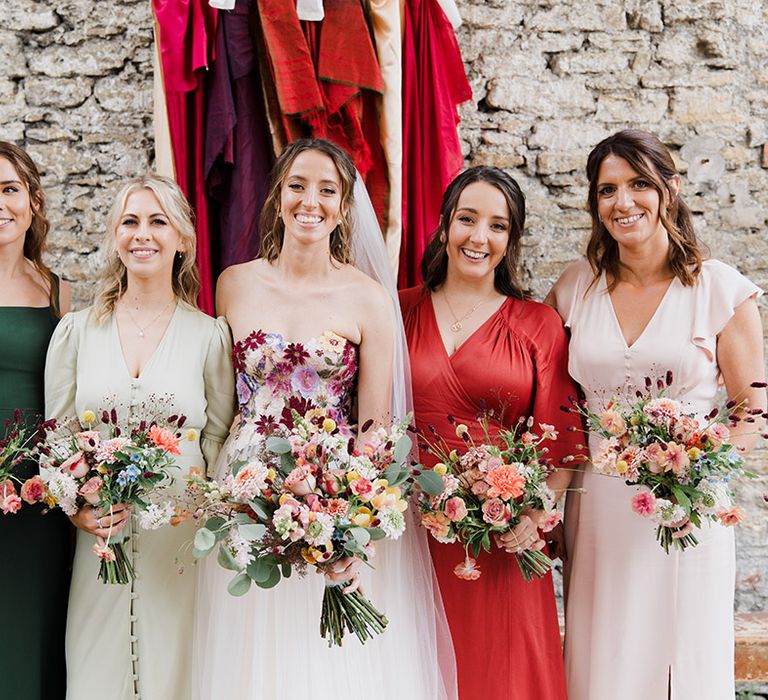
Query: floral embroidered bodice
[[275, 378]]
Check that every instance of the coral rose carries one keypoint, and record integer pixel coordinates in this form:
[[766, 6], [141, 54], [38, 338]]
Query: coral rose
[[438, 525], [300, 481], [732, 516]]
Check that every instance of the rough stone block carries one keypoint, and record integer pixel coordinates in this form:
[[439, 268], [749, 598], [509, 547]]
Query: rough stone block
[[565, 134], [488, 17], [542, 99], [646, 14], [703, 154], [588, 17], [25, 15], [550, 162], [57, 92], [50, 133], [692, 107], [98, 57], [11, 56], [647, 107], [660, 76], [590, 61], [114, 94], [689, 11], [60, 160]]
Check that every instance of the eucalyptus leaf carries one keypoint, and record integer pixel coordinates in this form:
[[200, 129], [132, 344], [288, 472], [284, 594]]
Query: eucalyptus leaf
[[402, 449], [286, 569], [237, 466], [259, 570], [286, 463], [273, 580], [278, 445], [376, 533], [226, 560], [360, 535], [259, 507], [251, 532], [240, 585], [430, 482], [214, 523], [205, 541], [391, 473]]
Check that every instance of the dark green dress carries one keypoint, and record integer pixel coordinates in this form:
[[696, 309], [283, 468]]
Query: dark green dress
[[35, 548]]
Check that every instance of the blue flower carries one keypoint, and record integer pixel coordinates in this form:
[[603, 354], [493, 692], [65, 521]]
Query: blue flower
[[128, 475]]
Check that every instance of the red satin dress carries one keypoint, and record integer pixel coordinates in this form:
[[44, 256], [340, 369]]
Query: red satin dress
[[505, 631]]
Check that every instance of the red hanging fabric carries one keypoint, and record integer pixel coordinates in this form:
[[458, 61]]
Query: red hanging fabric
[[434, 84], [187, 29], [327, 85]]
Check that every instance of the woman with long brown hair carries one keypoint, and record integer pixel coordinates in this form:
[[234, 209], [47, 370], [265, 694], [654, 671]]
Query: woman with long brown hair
[[144, 341], [640, 623], [35, 548], [478, 345]]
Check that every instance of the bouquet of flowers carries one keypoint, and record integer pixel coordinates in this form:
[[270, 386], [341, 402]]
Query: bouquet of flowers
[[17, 445], [131, 464], [314, 498], [681, 465], [485, 488]]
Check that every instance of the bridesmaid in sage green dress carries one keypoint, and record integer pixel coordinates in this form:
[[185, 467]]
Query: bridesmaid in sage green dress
[[35, 549]]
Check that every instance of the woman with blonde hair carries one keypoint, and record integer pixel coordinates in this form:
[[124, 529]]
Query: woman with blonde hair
[[35, 578], [144, 338]]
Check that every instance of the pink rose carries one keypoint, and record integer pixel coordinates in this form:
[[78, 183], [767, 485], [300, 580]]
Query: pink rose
[[9, 499], [455, 509], [468, 570], [91, 490], [717, 434], [88, 440], [331, 482], [75, 466], [496, 512], [33, 490], [644, 502], [655, 456], [300, 482], [480, 488]]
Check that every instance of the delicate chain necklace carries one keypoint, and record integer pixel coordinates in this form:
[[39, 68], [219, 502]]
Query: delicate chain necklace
[[456, 326], [142, 329]]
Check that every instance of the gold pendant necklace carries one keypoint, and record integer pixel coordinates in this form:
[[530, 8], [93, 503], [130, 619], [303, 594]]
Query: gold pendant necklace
[[142, 329], [457, 326]]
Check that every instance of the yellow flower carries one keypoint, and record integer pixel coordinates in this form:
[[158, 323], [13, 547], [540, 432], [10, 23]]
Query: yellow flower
[[271, 474], [352, 476], [453, 455], [101, 468], [440, 469], [694, 453], [634, 420], [311, 555], [285, 497], [381, 483], [329, 425], [50, 501], [88, 417], [401, 505], [621, 466], [363, 517], [461, 429], [191, 435]]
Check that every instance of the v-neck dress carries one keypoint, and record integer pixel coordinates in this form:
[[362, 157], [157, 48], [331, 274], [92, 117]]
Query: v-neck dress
[[638, 619], [505, 631], [135, 641]]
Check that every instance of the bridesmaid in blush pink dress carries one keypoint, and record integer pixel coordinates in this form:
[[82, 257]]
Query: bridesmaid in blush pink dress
[[640, 624]]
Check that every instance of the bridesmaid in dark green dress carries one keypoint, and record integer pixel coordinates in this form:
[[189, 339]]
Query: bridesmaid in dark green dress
[[35, 548]]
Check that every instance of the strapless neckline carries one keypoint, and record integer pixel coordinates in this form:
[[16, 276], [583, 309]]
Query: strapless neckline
[[258, 336]]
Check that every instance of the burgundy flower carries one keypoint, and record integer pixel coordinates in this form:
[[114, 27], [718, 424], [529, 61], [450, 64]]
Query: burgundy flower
[[295, 353], [266, 425]]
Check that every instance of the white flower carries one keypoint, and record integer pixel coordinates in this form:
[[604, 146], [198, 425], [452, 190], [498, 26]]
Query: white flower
[[240, 548], [364, 467], [392, 522], [156, 515], [320, 530], [249, 482], [714, 499], [63, 488], [547, 495], [604, 460], [668, 513]]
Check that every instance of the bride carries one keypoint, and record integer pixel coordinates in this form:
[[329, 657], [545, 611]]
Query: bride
[[313, 329]]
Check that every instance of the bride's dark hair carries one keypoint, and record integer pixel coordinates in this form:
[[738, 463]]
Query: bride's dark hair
[[272, 226]]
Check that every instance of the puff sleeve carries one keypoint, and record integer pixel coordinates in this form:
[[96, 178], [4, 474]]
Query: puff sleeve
[[61, 369], [219, 380], [570, 289]]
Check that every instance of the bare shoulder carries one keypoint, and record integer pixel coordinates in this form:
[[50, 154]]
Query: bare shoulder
[[65, 297], [231, 283], [368, 289]]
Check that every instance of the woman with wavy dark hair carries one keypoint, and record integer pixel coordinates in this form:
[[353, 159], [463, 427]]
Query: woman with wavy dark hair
[[35, 548], [640, 623], [478, 345]]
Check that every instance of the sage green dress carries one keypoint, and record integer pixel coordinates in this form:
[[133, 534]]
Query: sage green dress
[[35, 548], [134, 641]]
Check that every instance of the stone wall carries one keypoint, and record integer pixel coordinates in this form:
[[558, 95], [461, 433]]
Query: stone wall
[[550, 79]]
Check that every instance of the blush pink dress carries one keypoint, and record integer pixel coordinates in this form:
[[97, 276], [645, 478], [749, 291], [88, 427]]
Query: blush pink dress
[[638, 620]]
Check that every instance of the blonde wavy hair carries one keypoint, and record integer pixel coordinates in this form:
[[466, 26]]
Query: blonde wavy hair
[[114, 277], [272, 226]]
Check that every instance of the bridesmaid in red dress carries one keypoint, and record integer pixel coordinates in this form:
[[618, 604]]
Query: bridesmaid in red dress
[[477, 344]]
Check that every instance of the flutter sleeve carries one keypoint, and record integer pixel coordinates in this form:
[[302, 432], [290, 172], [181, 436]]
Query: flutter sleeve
[[219, 380], [555, 389], [61, 369], [569, 290], [719, 290]]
